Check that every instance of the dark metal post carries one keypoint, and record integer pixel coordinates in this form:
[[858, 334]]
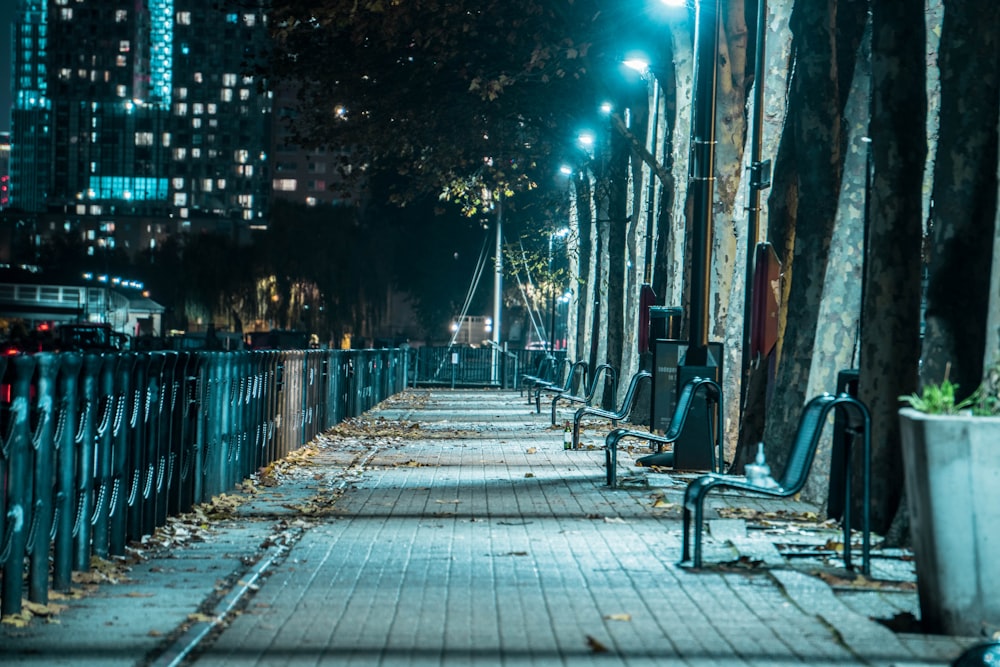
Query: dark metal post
[[758, 181], [702, 173]]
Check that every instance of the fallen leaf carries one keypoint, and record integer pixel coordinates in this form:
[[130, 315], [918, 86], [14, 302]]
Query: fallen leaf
[[531, 450], [529, 474], [618, 617], [200, 618], [596, 646], [448, 502], [614, 519]]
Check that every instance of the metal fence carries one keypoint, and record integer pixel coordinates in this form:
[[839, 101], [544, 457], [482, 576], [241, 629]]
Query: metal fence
[[98, 449], [468, 366]]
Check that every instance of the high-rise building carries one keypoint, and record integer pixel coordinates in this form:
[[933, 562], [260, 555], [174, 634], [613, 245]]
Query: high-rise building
[[138, 118]]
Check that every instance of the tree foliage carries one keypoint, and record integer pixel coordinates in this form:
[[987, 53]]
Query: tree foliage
[[459, 97]]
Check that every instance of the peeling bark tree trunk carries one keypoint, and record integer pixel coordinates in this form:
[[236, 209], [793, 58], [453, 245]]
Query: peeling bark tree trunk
[[777, 66], [890, 336], [729, 230], [814, 131], [617, 230], [964, 194]]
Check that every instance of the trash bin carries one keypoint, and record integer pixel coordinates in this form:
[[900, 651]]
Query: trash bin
[[664, 323]]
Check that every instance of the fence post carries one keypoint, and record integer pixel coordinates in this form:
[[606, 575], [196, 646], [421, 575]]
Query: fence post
[[66, 432], [19, 514], [44, 445]]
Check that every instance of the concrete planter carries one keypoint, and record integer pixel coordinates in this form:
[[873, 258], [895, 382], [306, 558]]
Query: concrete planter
[[952, 475]]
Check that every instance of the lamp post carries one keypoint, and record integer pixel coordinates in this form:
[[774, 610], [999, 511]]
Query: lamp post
[[702, 173]]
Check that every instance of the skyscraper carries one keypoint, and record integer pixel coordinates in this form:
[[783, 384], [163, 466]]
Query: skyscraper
[[137, 118]]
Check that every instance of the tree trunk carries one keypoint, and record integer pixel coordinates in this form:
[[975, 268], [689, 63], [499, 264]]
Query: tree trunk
[[777, 65], [729, 235], [814, 126], [890, 335], [618, 223], [964, 195]]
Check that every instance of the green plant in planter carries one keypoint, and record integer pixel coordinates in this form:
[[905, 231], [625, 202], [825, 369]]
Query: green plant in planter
[[939, 398]]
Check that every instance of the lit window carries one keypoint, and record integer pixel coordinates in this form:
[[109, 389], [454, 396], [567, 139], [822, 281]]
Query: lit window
[[227, 95], [183, 18], [65, 73], [96, 210], [241, 156], [180, 153], [244, 94], [124, 46], [143, 138], [245, 170], [246, 201], [197, 108], [166, 140], [212, 108], [180, 199], [249, 20], [184, 213], [248, 215], [121, 15], [196, 123], [121, 91], [247, 80], [221, 184], [181, 109], [229, 79], [81, 209], [178, 183], [66, 14], [196, 152], [197, 77], [182, 93], [310, 201], [206, 185], [121, 61], [232, 18], [285, 184]]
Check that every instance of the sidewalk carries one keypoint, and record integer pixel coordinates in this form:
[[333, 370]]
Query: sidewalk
[[450, 527]]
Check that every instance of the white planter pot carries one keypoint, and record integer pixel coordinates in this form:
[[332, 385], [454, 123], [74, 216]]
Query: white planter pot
[[952, 476]]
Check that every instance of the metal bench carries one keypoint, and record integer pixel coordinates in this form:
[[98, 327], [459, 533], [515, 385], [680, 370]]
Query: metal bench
[[614, 415], [793, 478], [544, 372], [607, 371], [578, 368], [680, 457]]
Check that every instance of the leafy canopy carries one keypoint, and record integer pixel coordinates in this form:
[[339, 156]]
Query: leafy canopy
[[465, 98]]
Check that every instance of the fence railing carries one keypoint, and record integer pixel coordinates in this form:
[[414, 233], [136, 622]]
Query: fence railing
[[97, 450], [468, 366]]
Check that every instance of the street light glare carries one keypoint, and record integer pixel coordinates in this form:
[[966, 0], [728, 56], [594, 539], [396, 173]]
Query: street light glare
[[674, 3], [586, 139], [565, 170], [640, 65]]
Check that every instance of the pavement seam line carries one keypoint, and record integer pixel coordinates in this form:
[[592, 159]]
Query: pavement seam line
[[175, 654]]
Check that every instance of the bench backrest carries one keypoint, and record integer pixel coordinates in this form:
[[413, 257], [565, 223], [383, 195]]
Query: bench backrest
[[577, 368], [610, 374], [693, 452], [811, 423], [633, 386]]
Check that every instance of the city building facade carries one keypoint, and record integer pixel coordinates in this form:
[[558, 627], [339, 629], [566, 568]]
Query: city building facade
[[135, 119]]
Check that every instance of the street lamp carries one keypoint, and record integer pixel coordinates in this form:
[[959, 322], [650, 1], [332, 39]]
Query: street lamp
[[702, 173]]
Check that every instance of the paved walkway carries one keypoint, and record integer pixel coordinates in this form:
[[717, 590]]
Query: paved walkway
[[451, 528]]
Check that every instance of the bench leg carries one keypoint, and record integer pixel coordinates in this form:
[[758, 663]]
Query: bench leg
[[686, 535], [611, 463]]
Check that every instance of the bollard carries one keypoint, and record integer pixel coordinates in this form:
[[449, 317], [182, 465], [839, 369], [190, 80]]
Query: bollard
[[65, 441], [107, 413], [19, 482], [47, 365], [85, 461]]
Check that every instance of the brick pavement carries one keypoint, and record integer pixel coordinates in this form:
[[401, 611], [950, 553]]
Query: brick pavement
[[452, 529]]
